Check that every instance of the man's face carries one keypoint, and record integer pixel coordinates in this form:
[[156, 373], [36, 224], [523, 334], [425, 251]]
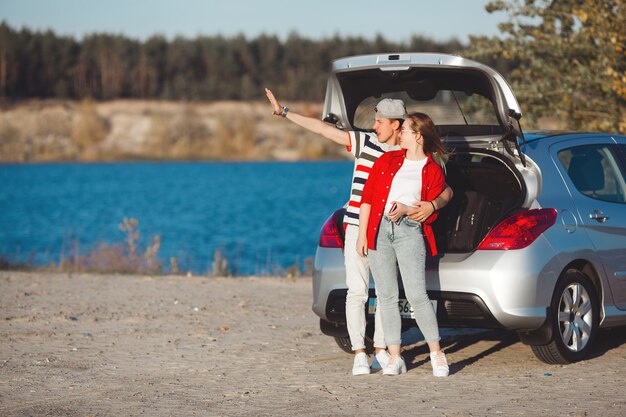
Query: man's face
[[385, 130]]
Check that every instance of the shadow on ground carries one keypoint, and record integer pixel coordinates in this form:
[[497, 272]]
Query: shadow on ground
[[456, 340], [607, 340]]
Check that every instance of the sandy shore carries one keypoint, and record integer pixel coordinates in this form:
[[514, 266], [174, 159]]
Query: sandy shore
[[96, 345]]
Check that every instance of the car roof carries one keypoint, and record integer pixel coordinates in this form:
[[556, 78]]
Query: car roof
[[537, 135]]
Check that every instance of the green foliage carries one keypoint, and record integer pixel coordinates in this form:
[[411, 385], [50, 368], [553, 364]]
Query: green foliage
[[102, 66], [568, 58]]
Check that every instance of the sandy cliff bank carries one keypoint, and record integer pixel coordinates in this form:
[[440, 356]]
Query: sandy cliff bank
[[53, 130]]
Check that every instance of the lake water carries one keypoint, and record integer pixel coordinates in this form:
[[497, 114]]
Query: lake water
[[263, 216]]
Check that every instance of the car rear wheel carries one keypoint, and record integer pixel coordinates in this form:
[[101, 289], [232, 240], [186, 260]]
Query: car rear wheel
[[574, 319], [345, 344]]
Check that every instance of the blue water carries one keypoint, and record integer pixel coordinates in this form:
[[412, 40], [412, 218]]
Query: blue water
[[263, 216]]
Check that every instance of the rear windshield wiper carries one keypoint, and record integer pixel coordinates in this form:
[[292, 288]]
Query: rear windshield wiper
[[459, 106]]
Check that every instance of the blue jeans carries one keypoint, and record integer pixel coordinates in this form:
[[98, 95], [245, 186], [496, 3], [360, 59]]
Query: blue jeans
[[402, 245]]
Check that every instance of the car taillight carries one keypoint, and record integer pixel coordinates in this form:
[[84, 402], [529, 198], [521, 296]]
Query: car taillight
[[519, 230], [329, 235]]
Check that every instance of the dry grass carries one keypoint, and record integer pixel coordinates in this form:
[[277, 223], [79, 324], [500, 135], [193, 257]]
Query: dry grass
[[127, 257], [131, 257]]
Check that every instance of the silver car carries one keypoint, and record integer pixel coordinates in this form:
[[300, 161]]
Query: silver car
[[534, 239]]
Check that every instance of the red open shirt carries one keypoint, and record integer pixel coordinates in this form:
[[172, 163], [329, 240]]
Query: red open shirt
[[376, 191]]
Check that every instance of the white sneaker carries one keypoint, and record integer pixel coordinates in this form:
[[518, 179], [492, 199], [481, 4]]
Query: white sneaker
[[439, 363], [380, 360], [360, 366], [396, 367]]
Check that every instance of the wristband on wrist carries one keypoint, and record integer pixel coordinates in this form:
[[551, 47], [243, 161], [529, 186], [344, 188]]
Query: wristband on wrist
[[285, 111], [433, 204]]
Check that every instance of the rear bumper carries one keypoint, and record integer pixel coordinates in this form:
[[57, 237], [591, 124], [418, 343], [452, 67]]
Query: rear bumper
[[454, 309], [491, 289]]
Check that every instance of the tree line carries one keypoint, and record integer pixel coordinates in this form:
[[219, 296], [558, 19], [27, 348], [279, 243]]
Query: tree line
[[565, 59], [105, 66]]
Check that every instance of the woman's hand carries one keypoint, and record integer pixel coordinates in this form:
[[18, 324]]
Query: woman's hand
[[278, 109], [397, 211], [361, 246]]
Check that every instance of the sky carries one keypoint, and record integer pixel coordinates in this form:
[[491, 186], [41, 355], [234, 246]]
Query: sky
[[396, 20]]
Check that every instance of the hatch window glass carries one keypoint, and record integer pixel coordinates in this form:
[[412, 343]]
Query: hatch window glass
[[447, 107], [595, 171]]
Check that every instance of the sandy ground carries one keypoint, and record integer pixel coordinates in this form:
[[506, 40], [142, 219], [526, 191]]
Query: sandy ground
[[89, 345]]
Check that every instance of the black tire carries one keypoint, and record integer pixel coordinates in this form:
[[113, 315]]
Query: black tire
[[345, 344], [574, 317]]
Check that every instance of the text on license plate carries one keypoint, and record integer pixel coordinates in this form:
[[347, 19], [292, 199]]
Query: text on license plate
[[406, 311]]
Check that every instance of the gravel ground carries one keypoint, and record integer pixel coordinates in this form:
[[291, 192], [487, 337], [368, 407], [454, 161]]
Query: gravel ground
[[110, 345]]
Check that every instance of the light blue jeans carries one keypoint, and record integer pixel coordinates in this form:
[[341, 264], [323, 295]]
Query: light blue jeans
[[402, 245]]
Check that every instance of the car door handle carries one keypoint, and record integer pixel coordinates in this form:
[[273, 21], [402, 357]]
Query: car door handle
[[599, 216]]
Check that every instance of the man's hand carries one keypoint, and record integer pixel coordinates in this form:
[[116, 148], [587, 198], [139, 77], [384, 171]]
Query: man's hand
[[278, 109], [310, 123], [421, 212], [425, 209]]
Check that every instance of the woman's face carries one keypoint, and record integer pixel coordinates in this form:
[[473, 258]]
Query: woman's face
[[409, 137]]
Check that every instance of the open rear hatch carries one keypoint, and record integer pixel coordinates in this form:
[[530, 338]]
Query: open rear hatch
[[469, 102], [477, 116]]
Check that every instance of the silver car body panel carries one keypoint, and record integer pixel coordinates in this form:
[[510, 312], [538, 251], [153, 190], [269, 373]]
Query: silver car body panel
[[329, 273], [608, 237], [514, 291]]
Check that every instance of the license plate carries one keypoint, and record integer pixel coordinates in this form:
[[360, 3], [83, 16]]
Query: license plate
[[406, 311]]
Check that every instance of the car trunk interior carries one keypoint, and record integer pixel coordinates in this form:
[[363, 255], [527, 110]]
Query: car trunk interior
[[486, 190]]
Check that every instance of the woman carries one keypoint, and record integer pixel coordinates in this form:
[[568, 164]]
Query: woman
[[398, 180]]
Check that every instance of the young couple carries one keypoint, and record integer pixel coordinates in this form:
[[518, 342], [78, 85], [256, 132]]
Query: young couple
[[397, 189]]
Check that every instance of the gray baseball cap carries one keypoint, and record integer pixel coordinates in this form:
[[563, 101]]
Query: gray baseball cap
[[390, 108]]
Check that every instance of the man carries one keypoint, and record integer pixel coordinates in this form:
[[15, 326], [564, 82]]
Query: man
[[366, 148]]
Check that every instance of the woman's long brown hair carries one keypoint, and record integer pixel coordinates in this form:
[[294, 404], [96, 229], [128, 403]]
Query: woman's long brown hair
[[432, 142]]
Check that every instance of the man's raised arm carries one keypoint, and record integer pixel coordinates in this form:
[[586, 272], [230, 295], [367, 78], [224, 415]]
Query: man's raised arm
[[310, 123]]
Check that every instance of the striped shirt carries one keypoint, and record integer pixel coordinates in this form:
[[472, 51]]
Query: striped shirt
[[366, 149]]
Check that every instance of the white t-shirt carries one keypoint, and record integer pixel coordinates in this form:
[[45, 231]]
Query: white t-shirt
[[406, 186]]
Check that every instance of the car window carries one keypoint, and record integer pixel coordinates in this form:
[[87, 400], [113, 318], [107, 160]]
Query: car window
[[595, 171], [622, 149], [447, 107]]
